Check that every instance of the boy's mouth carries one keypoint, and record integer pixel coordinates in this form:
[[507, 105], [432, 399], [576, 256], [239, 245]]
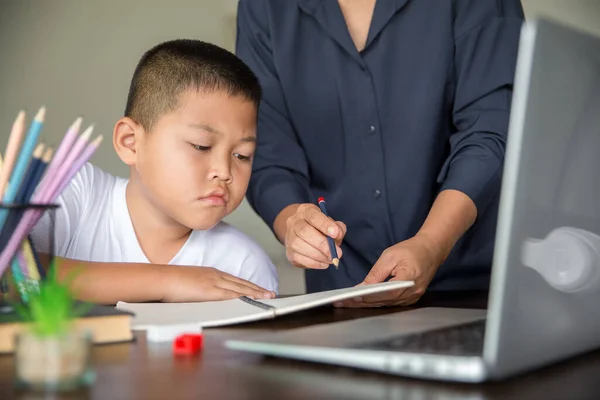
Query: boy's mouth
[[217, 197]]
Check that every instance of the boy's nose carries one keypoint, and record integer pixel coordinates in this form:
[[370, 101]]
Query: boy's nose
[[222, 172], [223, 176]]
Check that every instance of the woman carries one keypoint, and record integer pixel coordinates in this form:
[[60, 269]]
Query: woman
[[396, 112]]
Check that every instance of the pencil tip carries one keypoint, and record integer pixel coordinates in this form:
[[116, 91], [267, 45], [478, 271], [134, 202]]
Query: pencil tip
[[20, 120], [48, 155], [87, 133], [336, 262], [41, 114], [76, 125], [39, 150], [97, 141]]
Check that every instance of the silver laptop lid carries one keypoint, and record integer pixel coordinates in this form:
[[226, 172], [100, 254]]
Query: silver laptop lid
[[545, 281]]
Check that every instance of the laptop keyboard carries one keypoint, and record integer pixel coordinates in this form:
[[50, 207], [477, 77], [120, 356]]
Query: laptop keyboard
[[462, 340]]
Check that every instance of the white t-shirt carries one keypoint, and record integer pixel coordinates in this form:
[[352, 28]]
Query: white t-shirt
[[93, 224]]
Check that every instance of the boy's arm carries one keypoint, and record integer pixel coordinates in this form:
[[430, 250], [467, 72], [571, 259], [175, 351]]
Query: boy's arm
[[108, 283]]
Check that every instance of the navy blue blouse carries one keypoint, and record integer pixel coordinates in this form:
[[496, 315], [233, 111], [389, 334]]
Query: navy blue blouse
[[379, 133]]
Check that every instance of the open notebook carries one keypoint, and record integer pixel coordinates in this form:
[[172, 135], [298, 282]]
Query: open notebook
[[243, 309]]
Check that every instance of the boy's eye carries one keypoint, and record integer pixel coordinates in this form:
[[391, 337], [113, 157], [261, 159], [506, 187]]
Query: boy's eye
[[200, 148], [241, 157]]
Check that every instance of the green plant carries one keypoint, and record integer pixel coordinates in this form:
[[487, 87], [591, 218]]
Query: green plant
[[51, 306]]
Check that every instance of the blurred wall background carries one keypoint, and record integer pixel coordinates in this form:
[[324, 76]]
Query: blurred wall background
[[77, 58]]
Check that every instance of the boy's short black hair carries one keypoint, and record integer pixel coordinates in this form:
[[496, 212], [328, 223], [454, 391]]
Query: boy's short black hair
[[170, 68]]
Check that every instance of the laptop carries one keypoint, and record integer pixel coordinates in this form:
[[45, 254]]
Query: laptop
[[545, 284]]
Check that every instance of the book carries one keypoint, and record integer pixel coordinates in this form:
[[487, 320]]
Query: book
[[106, 324], [243, 309]]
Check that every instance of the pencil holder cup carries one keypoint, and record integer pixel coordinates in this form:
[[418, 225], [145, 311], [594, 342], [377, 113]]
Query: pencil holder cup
[[26, 249], [54, 363]]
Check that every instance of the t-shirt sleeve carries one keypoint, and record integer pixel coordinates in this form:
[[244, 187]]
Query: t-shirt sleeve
[[258, 268], [64, 220], [234, 252]]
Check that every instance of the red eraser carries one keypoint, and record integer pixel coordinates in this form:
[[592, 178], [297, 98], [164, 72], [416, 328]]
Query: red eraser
[[187, 344], [321, 199]]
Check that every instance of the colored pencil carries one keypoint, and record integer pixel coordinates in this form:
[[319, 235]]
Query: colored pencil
[[334, 256], [38, 262], [32, 269], [63, 149], [36, 270], [22, 162], [18, 276], [26, 253], [85, 156], [39, 173], [12, 150], [23, 266], [31, 171], [53, 182], [24, 156]]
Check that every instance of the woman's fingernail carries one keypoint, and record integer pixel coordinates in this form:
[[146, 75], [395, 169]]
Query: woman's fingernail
[[358, 299], [332, 230], [338, 304]]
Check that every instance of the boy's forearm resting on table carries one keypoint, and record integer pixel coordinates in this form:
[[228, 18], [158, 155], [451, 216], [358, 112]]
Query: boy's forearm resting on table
[[108, 283]]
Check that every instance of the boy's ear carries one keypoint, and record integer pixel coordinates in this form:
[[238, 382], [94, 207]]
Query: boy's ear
[[125, 139]]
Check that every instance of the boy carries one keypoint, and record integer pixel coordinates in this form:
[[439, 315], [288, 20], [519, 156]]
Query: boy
[[188, 137]]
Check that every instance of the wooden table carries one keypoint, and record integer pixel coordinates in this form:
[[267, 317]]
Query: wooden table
[[141, 370]]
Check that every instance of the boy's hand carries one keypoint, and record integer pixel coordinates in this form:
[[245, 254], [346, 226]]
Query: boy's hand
[[189, 284], [305, 241]]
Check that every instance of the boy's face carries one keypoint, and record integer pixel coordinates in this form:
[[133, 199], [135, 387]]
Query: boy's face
[[195, 163]]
